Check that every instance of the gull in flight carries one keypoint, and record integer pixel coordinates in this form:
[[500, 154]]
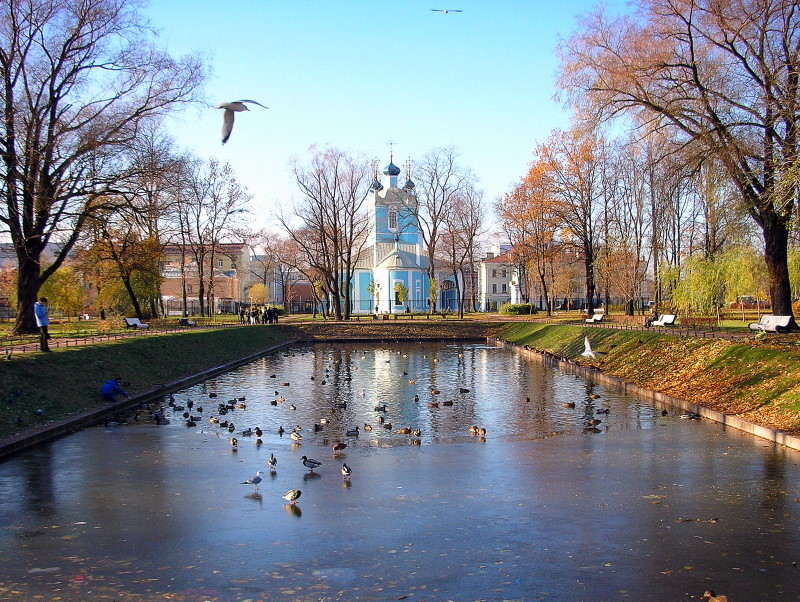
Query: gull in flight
[[447, 10], [587, 352], [230, 108]]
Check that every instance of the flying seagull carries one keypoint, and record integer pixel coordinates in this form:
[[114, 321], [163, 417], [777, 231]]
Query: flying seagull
[[230, 108], [588, 349], [447, 10], [254, 480]]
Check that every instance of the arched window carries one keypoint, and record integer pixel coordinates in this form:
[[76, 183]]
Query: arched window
[[393, 219]]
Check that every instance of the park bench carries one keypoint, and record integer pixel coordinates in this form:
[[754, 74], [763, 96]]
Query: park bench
[[135, 323], [186, 322], [596, 318], [664, 320], [770, 323]]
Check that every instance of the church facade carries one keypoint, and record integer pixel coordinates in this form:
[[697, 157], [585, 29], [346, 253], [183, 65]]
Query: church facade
[[392, 273]]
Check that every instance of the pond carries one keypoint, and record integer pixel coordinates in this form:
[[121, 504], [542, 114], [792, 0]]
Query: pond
[[575, 492]]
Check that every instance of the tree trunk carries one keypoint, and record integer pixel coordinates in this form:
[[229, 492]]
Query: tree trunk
[[28, 283], [776, 240]]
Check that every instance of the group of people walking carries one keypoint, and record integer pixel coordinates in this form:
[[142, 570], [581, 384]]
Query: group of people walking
[[258, 315]]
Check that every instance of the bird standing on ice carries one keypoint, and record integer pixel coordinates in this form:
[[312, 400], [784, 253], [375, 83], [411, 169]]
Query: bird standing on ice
[[254, 480], [230, 108]]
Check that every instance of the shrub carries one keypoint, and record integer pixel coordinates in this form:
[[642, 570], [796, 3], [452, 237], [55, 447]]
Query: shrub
[[796, 308], [518, 309]]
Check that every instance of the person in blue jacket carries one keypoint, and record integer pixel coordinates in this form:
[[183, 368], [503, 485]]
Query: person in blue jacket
[[111, 389], [42, 321]]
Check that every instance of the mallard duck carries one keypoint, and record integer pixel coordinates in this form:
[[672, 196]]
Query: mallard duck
[[213, 420], [233, 441], [280, 431], [292, 495], [310, 463], [296, 436], [404, 431], [569, 404], [346, 471], [254, 480], [339, 446], [416, 432], [447, 403], [352, 432], [387, 426], [380, 408], [272, 462], [463, 390], [482, 432], [433, 404], [713, 597], [258, 432], [473, 430], [367, 427], [247, 432]]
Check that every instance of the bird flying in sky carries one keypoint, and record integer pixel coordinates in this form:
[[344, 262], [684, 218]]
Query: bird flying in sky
[[230, 108], [447, 10]]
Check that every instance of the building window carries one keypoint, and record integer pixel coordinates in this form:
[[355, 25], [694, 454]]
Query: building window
[[220, 263], [494, 288], [393, 219], [188, 288], [504, 288], [494, 273], [505, 273], [233, 265]]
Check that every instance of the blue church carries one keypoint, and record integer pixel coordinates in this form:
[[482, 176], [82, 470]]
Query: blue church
[[394, 259]]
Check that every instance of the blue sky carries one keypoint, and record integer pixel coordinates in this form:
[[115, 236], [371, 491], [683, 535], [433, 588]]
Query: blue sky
[[357, 73]]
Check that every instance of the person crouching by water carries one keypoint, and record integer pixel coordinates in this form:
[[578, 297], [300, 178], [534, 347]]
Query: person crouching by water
[[111, 389], [42, 321]]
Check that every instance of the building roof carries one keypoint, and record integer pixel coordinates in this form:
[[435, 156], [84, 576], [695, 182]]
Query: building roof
[[504, 258], [398, 260]]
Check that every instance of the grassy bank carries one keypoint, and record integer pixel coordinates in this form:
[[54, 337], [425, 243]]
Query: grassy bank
[[755, 379]]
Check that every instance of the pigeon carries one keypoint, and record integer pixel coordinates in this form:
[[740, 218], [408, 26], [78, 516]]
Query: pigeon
[[310, 464], [272, 462], [346, 471], [230, 108], [588, 349], [292, 495], [254, 480]]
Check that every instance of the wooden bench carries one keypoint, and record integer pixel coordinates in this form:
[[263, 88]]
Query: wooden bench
[[596, 318], [770, 323], [135, 323], [186, 322], [664, 320]]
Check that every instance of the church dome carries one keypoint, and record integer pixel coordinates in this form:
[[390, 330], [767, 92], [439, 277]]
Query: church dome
[[377, 185], [408, 186], [391, 170]]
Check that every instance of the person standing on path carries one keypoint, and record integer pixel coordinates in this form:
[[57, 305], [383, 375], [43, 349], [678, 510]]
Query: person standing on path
[[42, 321]]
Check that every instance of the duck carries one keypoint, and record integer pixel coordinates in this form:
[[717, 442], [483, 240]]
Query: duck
[[273, 402], [292, 407], [296, 436], [346, 471], [387, 426], [367, 427], [352, 432], [247, 432], [310, 463], [317, 427], [231, 427], [433, 404], [280, 431], [272, 462], [292, 495], [569, 404], [380, 408], [416, 432], [339, 446], [447, 403], [482, 432], [463, 390], [404, 431], [258, 432], [254, 480], [234, 442], [416, 398], [711, 596]]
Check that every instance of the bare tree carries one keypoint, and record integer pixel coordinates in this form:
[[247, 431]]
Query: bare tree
[[79, 79], [464, 225], [210, 212], [334, 224], [439, 181], [720, 75]]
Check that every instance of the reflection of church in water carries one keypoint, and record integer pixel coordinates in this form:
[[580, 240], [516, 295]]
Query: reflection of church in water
[[395, 257]]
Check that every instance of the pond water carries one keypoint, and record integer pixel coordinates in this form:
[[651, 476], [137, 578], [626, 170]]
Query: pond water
[[551, 504]]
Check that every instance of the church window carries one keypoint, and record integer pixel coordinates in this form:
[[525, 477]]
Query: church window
[[392, 219]]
